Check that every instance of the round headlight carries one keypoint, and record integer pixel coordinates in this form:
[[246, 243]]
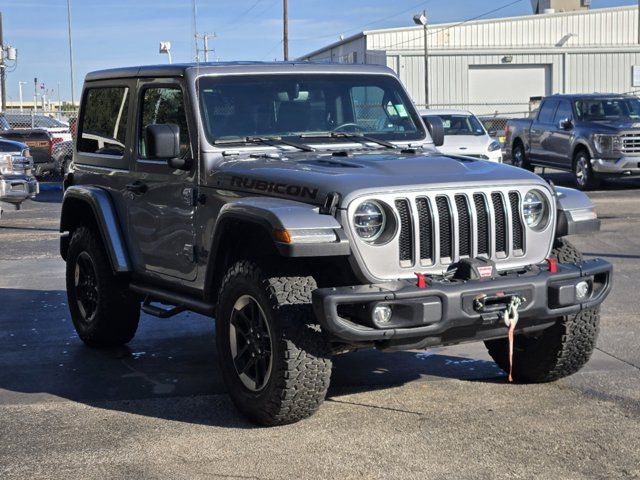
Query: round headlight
[[534, 209], [369, 220]]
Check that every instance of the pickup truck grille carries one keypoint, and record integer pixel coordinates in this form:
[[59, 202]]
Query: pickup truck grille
[[630, 143], [437, 228]]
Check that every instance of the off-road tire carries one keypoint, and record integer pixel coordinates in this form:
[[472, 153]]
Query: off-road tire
[[301, 359], [583, 175], [117, 310], [519, 156], [557, 351]]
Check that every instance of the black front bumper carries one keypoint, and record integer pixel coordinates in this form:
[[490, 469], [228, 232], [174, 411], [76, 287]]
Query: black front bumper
[[449, 311]]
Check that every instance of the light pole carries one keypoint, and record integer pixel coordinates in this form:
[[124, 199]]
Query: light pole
[[285, 29], [165, 47], [421, 19], [20, 84], [70, 53]]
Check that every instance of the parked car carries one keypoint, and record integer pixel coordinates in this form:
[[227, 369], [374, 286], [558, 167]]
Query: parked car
[[63, 156], [465, 135], [306, 207], [17, 182], [594, 136], [56, 128], [39, 142]]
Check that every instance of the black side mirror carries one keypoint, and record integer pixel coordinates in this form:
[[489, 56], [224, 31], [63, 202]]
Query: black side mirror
[[163, 143], [566, 124], [436, 130]]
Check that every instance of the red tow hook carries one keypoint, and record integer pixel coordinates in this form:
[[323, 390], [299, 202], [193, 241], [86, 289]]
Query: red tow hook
[[422, 282], [553, 265]]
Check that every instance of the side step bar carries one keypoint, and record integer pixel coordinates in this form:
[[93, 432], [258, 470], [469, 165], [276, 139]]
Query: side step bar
[[181, 301]]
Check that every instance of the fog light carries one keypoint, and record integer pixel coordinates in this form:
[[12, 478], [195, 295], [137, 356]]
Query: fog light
[[382, 314], [582, 290]]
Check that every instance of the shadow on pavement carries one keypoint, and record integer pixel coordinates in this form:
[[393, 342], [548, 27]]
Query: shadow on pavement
[[41, 354]]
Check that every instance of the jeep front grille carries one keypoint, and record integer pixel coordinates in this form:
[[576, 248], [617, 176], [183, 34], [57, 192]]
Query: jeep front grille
[[434, 229]]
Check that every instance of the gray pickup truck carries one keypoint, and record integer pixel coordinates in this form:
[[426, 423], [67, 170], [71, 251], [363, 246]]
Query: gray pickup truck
[[594, 136], [306, 208]]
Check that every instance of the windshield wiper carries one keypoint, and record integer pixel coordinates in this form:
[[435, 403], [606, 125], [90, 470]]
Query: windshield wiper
[[356, 136], [272, 141]]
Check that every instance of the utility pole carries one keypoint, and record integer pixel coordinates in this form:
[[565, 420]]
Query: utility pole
[[70, 54], [421, 19], [20, 84], [3, 68], [638, 21], [285, 33], [35, 95], [205, 40]]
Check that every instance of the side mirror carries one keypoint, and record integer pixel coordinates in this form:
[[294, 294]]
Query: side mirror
[[163, 143], [436, 130], [566, 124]]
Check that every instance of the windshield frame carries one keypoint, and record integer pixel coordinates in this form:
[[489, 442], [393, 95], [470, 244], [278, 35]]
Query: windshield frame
[[419, 135]]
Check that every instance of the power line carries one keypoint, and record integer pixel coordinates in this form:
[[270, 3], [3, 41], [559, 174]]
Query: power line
[[240, 17]]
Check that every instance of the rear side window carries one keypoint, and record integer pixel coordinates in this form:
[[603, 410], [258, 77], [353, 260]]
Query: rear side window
[[547, 110], [104, 122]]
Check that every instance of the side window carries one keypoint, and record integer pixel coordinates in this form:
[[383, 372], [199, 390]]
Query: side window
[[163, 105], [104, 122], [564, 111], [547, 111]]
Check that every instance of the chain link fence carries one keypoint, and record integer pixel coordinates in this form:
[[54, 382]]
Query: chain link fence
[[49, 135]]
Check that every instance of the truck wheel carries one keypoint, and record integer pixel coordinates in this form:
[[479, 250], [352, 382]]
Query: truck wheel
[[557, 351], [104, 312], [275, 361], [520, 158], [583, 173]]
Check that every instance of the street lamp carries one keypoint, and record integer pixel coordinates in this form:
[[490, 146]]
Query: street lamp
[[165, 47], [421, 19]]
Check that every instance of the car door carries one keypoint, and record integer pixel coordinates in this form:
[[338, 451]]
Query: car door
[[540, 132], [561, 136], [161, 199]]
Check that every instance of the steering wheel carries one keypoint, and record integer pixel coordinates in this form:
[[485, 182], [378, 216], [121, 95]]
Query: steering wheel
[[346, 127]]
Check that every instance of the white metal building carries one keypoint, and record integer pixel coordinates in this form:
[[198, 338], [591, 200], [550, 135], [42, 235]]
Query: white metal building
[[496, 65]]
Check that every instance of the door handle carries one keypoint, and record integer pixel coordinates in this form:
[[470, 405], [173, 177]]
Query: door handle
[[137, 187]]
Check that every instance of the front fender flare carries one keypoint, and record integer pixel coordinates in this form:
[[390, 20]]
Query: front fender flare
[[106, 219], [576, 213]]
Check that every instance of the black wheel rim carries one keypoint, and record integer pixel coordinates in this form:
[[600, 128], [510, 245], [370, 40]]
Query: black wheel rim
[[86, 285], [251, 344]]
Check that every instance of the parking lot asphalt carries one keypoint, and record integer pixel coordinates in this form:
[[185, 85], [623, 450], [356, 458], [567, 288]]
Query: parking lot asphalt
[[157, 408]]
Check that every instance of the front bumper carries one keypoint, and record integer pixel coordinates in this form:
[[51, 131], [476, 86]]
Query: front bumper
[[621, 166], [448, 312], [17, 189]]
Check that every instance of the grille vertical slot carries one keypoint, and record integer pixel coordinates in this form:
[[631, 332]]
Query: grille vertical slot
[[446, 226], [406, 232], [516, 222], [482, 224], [464, 226], [501, 222], [426, 229]]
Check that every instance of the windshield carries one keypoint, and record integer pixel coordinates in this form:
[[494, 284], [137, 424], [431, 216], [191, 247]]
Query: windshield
[[295, 105], [460, 124], [38, 121], [607, 109]]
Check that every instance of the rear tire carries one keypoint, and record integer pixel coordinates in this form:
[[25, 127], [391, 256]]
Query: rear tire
[[583, 174], [104, 312], [520, 159], [557, 351], [283, 378]]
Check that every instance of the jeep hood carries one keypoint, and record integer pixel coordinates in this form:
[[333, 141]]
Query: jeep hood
[[310, 177]]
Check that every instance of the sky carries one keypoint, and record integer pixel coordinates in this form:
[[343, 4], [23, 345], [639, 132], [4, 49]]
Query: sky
[[113, 33]]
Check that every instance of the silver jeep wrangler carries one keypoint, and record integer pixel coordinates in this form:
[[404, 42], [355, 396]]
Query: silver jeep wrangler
[[306, 208]]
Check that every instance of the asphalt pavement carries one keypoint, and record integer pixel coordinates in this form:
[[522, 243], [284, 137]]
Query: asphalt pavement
[[157, 408]]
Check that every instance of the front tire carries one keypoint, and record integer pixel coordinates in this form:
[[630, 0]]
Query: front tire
[[104, 312], [583, 174], [558, 351], [275, 361]]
